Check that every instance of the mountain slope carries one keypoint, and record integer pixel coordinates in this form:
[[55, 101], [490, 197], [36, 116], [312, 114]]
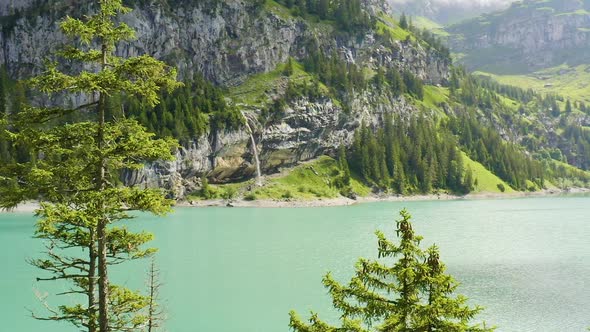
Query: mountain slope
[[243, 47], [446, 12], [281, 83], [530, 35]]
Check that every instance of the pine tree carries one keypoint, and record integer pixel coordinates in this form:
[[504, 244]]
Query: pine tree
[[468, 181], [288, 71], [441, 311], [411, 294], [3, 91], [343, 165], [73, 169], [403, 22], [583, 108], [324, 9], [568, 106], [5, 149], [395, 81]]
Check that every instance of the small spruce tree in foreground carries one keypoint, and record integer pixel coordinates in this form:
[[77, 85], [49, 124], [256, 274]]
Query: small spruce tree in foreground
[[411, 294]]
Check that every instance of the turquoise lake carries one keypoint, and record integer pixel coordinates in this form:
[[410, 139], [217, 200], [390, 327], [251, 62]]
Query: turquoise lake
[[527, 261]]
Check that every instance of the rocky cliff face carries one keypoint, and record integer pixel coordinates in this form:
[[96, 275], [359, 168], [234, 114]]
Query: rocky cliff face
[[8, 7], [228, 41], [308, 130], [530, 35]]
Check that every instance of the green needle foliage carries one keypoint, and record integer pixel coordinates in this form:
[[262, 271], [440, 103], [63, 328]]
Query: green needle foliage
[[410, 293], [75, 165]]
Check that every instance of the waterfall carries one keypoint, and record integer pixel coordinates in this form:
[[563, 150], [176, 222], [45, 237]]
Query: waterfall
[[254, 151]]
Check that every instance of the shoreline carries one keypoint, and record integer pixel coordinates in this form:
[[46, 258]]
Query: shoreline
[[31, 206], [344, 201]]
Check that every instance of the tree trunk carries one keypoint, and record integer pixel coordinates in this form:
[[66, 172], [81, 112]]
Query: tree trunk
[[152, 285], [103, 279], [91, 282]]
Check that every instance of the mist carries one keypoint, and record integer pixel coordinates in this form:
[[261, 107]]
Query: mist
[[464, 3]]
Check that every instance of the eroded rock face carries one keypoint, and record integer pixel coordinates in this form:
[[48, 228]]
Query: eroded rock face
[[227, 42], [8, 7], [528, 36], [308, 130]]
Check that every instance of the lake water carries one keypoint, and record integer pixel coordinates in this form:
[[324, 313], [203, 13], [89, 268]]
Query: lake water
[[527, 261]]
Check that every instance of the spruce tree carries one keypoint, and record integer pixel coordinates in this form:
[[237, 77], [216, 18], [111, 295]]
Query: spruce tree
[[403, 22], [74, 169], [409, 293], [288, 71], [568, 106], [343, 165], [5, 149], [441, 311]]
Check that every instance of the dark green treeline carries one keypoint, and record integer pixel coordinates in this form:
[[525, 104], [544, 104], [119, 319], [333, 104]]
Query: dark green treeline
[[12, 99], [349, 15], [409, 157], [506, 160], [191, 111]]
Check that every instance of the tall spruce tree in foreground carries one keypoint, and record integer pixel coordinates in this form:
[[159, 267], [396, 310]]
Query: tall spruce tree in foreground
[[74, 170], [409, 295]]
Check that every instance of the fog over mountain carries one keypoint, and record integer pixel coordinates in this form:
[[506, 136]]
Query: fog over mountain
[[464, 3], [448, 11]]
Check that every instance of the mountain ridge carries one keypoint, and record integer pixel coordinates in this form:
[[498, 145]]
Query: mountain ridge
[[306, 84], [529, 36]]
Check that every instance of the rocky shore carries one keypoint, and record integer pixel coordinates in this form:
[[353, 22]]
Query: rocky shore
[[343, 201], [30, 207]]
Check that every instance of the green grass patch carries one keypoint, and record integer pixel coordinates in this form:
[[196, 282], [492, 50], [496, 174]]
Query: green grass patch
[[387, 25], [278, 9], [570, 82], [395, 32], [508, 103], [425, 23], [309, 181], [257, 89], [435, 95], [487, 182], [224, 191], [582, 12]]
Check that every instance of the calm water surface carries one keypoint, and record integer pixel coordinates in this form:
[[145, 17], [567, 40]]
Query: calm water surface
[[230, 270]]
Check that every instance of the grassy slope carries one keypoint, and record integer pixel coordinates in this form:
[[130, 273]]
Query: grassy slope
[[257, 89], [507, 60], [570, 82], [434, 96], [387, 25], [425, 23], [487, 182], [312, 180], [278, 9], [307, 181]]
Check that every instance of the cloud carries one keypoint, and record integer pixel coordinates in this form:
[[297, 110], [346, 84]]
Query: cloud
[[465, 3]]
